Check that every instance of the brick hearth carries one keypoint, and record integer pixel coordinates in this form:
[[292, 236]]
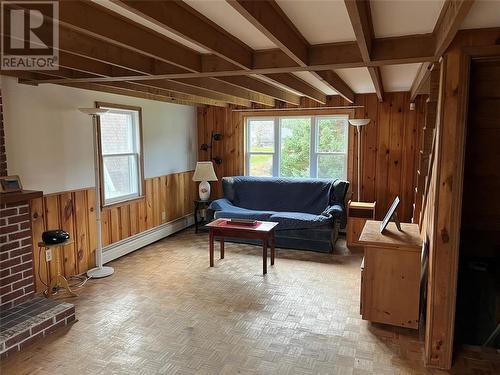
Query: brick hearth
[[24, 318], [24, 324]]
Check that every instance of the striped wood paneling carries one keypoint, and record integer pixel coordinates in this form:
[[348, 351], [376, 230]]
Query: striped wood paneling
[[167, 198], [389, 145]]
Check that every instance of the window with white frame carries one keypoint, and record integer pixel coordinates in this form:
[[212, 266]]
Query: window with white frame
[[297, 146], [121, 154]]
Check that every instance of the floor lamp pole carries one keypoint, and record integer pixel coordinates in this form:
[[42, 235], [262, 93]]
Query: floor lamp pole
[[100, 270], [359, 128]]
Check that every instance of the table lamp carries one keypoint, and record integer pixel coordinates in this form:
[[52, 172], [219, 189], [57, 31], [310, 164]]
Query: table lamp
[[204, 172]]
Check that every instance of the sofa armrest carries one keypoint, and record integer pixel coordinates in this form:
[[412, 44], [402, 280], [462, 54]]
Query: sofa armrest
[[220, 204], [337, 211]]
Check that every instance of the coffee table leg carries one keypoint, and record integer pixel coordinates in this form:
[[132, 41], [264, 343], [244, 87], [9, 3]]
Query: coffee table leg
[[211, 247], [273, 244], [222, 247], [264, 256]]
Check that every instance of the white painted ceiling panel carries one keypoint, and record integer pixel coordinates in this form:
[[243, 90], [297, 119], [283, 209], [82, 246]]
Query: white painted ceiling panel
[[319, 21], [149, 24], [358, 79], [224, 15], [315, 82], [398, 77], [404, 17], [484, 13]]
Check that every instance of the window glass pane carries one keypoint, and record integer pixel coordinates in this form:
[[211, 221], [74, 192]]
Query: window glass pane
[[120, 176], [332, 135], [295, 147], [261, 165], [261, 133], [331, 166], [117, 133]]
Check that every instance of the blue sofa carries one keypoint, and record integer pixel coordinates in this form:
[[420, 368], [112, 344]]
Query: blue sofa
[[310, 212]]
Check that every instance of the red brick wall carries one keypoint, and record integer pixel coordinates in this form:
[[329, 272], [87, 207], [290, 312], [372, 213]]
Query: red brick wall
[[16, 257], [3, 156]]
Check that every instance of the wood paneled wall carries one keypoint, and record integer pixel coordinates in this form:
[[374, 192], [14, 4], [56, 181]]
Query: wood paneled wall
[[166, 198], [389, 145], [443, 222]]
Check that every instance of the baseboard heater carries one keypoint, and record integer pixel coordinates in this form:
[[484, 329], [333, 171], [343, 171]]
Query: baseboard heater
[[127, 245]]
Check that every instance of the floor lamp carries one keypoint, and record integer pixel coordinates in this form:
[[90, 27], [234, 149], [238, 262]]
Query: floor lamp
[[100, 270], [359, 123]]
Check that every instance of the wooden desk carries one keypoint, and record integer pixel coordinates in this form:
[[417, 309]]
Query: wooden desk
[[390, 274]]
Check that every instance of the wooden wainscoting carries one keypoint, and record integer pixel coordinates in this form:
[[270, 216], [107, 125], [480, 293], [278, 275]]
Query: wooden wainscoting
[[166, 198]]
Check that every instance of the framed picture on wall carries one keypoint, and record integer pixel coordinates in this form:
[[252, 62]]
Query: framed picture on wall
[[10, 184]]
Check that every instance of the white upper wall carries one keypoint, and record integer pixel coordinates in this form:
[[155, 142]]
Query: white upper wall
[[49, 142]]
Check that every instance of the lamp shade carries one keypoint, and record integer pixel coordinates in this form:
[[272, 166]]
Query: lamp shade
[[204, 171], [359, 121]]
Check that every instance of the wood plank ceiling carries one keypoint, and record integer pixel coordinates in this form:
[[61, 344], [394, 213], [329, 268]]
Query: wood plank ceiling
[[129, 52]]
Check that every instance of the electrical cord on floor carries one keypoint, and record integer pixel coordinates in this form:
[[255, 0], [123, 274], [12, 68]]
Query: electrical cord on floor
[[39, 265], [82, 278]]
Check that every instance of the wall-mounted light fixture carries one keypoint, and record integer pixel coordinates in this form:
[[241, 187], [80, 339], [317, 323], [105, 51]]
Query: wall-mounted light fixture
[[205, 147]]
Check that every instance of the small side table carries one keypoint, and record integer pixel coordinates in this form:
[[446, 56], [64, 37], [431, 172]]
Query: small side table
[[357, 215], [199, 205], [59, 281]]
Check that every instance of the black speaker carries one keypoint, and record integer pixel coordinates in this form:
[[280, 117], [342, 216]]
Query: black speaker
[[53, 237]]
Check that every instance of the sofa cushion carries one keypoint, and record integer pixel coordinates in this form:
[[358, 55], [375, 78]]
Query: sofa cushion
[[225, 209], [296, 220], [311, 196]]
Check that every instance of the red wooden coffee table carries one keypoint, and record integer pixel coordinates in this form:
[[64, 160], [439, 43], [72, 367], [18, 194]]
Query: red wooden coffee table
[[262, 230]]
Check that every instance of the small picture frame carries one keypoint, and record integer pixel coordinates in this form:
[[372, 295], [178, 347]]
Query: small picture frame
[[10, 184], [391, 215]]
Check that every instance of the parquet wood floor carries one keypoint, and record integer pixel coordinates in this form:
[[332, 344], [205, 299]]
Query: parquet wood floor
[[166, 312]]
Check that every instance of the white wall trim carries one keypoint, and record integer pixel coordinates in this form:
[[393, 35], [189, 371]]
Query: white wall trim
[[123, 247]]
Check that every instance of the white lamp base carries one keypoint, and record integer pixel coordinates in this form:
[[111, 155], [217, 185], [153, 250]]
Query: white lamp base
[[99, 272], [204, 190]]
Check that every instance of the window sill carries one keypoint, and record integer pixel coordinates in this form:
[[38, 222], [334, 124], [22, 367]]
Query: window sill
[[124, 202]]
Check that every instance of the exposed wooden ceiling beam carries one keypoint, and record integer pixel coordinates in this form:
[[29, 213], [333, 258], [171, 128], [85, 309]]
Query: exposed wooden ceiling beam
[[385, 51], [126, 51], [360, 14], [219, 86], [423, 74], [268, 17], [298, 85], [121, 88], [179, 18], [335, 82], [95, 21], [182, 20], [264, 88], [451, 17]]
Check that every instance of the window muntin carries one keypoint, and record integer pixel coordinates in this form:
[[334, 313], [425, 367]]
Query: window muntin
[[302, 146], [121, 154]]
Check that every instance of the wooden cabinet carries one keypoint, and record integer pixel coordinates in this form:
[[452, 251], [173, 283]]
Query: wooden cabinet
[[390, 274], [357, 214]]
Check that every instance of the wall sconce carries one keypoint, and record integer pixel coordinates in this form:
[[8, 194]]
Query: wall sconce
[[205, 147]]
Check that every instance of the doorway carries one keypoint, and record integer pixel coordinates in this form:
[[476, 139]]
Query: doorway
[[478, 290]]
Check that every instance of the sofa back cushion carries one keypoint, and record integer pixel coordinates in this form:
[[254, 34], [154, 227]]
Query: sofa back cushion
[[312, 196]]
